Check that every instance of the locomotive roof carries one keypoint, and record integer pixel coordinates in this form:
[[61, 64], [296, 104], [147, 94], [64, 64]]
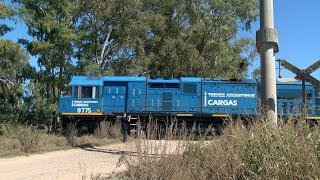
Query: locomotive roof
[[85, 80], [293, 83], [124, 78], [96, 81], [190, 79], [229, 80], [162, 80]]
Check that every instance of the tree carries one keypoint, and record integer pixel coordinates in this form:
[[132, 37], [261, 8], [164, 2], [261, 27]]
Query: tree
[[14, 70], [104, 38], [166, 38], [5, 13], [50, 23], [196, 38]]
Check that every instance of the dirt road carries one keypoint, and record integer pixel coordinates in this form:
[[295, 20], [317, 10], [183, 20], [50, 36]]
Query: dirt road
[[70, 164]]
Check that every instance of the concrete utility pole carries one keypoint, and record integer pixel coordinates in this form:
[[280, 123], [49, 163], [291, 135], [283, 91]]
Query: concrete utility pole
[[267, 46]]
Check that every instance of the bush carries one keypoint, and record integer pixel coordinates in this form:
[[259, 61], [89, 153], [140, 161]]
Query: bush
[[27, 136]]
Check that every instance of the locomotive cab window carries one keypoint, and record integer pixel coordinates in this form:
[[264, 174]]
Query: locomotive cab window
[[75, 91], [86, 92]]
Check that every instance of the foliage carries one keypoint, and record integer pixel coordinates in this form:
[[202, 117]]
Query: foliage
[[14, 70], [256, 73], [5, 12], [50, 23], [144, 37], [195, 38]]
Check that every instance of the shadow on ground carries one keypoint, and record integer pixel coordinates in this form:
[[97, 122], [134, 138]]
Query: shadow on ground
[[89, 147]]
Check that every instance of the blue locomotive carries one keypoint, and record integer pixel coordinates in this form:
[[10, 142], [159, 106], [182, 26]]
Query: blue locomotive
[[94, 99]]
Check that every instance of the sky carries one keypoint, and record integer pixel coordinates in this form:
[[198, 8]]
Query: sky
[[296, 21], [298, 25]]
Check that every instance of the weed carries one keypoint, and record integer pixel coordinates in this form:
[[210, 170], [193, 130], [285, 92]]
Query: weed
[[71, 134], [28, 138], [108, 129]]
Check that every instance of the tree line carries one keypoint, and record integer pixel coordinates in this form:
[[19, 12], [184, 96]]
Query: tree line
[[155, 38]]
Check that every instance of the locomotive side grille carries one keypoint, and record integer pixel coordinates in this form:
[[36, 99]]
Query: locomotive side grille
[[167, 101], [167, 106], [189, 88]]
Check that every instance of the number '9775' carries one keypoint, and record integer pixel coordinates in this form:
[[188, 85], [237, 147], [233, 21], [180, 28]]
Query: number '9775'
[[83, 110]]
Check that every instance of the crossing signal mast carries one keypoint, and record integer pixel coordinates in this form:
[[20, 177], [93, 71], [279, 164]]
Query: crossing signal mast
[[267, 46]]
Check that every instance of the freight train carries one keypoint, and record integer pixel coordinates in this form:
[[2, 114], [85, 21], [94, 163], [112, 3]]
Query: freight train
[[201, 100]]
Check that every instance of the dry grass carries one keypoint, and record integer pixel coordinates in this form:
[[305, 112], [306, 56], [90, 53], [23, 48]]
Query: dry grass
[[108, 129], [71, 134], [17, 139], [156, 151], [251, 151]]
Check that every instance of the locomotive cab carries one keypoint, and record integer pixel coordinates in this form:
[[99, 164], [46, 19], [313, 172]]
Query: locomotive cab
[[85, 97], [83, 107]]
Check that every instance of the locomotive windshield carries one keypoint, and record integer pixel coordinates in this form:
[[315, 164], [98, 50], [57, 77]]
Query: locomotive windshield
[[85, 91]]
